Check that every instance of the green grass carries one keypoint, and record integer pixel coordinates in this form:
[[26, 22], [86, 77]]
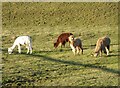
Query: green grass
[[48, 66]]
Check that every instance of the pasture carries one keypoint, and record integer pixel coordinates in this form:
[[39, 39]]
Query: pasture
[[48, 66]]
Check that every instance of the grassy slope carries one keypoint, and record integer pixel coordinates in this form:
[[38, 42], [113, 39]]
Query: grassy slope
[[47, 66]]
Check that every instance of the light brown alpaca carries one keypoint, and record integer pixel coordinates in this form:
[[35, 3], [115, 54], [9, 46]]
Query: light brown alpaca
[[103, 44], [75, 44]]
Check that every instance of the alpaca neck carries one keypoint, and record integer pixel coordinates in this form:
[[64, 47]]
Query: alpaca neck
[[71, 45], [56, 44], [97, 49], [13, 46]]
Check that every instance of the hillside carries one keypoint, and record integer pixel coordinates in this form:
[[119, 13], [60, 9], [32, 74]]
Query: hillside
[[82, 17], [52, 14]]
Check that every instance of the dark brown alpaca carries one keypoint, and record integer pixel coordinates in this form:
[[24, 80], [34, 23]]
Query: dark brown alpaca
[[62, 39]]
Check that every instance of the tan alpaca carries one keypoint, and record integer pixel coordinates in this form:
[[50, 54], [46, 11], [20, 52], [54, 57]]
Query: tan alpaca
[[103, 44], [75, 44]]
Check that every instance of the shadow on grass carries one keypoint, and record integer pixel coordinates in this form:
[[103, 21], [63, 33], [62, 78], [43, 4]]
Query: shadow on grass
[[73, 63], [113, 55], [78, 64]]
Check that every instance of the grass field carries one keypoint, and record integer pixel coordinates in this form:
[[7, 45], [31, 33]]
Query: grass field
[[48, 66]]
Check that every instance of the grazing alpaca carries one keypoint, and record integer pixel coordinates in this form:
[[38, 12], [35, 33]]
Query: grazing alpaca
[[22, 40], [103, 44], [75, 44], [62, 39]]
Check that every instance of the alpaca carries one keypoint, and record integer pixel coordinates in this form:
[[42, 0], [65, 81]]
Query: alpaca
[[22, 40], [103, 44], [75, 44], [62, 39]]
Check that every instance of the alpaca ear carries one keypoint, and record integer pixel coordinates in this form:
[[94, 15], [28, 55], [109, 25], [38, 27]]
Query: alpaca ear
[[92, 54], [8, 48]]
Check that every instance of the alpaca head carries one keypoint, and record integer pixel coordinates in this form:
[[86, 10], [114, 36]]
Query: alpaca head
[[96, 51], [71, 38], [10, 50], [96, 54], [55, 45]]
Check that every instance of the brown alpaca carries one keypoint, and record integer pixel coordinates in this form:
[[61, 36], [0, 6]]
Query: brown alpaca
[[75, 44], [103, 44], [62, 39]]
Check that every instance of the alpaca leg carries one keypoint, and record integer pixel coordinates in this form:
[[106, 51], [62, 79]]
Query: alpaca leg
[[82, 50], [19, 48], [63, 44], [107, 51], [30, 50], [78, 50], [73, 51], [108, 47], [27, 49], [80, 47], [104, 50], [101, 52]]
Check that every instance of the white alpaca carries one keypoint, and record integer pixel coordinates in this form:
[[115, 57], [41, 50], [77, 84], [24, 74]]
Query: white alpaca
[[22, 40], [75, 44]]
